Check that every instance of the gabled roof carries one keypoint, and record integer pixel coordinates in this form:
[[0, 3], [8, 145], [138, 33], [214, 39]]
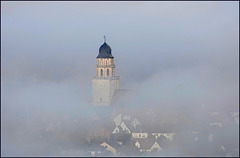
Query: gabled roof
[[112, 143], [139, 129], [119, 128], [128, 124], [117, 120], [127, 149], [146, 143], [162, 141], [136, 121]]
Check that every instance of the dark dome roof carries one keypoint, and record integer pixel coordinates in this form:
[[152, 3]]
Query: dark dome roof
[[105, 51]]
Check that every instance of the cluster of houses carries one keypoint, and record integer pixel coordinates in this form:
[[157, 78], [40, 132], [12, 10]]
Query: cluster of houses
[[145, 133], [126, 131]]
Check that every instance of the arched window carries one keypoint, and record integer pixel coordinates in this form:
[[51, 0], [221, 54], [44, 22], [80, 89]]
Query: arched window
[[107, 72], [101, 72]]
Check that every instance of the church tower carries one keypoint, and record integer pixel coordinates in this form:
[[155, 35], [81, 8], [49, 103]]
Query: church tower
[[105, 81]]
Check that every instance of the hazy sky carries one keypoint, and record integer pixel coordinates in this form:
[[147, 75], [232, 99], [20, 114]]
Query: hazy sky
[[178, 42], [174, 53]]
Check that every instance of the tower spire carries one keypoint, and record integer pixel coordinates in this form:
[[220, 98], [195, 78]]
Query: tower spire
[[104, 39]]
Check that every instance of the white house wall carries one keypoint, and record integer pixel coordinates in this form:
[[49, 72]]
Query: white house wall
[[139, 135]]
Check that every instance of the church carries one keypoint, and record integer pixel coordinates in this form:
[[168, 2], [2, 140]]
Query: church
[[105, 85], [105, 82]]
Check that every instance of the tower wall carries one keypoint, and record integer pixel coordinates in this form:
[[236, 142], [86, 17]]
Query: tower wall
[[103, 89], [104, 65], [105, 82]]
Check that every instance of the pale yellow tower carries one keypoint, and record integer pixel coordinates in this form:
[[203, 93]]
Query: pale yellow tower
[[105, 82]]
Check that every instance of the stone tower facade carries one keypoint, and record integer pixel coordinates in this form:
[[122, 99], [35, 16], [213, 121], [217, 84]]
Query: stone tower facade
[[105, 82]]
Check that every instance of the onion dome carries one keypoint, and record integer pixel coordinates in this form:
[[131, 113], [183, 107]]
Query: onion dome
[[105, 50]]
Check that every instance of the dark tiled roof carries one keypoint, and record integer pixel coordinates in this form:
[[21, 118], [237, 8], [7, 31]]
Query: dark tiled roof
[[139, 129], [128, 124], [120, 130], [112, 143], [146, 143], [105, 51], [127, 149], [162, 141]]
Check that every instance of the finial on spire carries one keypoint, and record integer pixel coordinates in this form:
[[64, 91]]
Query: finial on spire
[[104, 39]]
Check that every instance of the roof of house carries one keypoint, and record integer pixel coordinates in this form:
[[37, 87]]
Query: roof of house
[[128, 124], [146, 143], [139, 129], [127, 149], [112, 143], [162, 141], [120, 130]]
